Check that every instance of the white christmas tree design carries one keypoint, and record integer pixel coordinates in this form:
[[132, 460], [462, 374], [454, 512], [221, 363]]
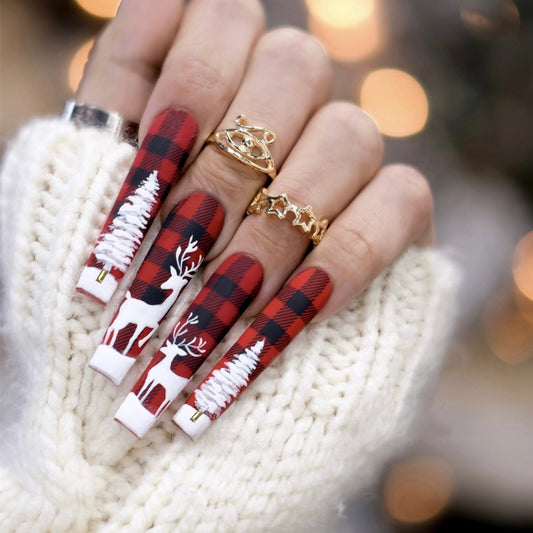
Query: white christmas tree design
[[226, 382], [116, 247]]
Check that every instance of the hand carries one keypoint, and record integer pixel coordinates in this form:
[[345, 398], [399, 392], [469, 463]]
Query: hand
[[214, 60]]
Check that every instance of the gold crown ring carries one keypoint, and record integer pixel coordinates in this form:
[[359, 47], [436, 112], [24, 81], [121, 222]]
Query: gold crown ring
[[302, 218], [248, 144]]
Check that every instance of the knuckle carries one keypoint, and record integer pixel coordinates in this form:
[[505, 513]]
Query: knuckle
[[353, 246], [357, 125], [299, 51], [199, 77], [415, 188], [220, 175], [266, 242]]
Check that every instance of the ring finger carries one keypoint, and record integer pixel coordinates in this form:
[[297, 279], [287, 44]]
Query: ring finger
[[337, 154]]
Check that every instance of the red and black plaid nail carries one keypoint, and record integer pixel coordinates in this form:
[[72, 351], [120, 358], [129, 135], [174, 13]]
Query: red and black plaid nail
[[223, 299], [186, 237], [282, 319], [156, 168]]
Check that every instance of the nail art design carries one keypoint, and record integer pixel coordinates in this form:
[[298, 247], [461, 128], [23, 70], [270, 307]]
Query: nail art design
[[156, 168], [186, 237], [282, 319], [223, 299]]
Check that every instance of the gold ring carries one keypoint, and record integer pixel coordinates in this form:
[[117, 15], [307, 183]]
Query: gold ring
[[302, 218], [248, 144]]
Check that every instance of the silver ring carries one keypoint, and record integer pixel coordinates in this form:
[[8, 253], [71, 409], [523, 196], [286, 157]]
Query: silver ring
[[84, 115]]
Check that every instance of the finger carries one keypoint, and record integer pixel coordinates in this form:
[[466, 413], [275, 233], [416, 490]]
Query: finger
[[127, 57], [289, 76], [206, 62], [209, 29], [335, 157], [392, 212]]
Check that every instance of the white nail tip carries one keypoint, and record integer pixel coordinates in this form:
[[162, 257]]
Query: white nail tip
[[183, 418], [134, 416], [112, 364], [103, 290]]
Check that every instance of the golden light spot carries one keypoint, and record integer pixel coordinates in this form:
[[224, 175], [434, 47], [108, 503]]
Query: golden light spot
[[418, 489], [396, 101], [523, 266], [348, 30], [340, 13], [77, 64], [100, 8], [508, 331]]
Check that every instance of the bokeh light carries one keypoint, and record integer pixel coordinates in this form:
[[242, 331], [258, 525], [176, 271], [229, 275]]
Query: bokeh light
[[523, 266], [508, 331], [341, 13], [418, 489], [100, 8], [396, 101], [77, 64], [349, 31]]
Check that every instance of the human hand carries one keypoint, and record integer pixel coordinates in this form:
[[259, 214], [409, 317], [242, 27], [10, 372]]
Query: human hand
[[208, 63]]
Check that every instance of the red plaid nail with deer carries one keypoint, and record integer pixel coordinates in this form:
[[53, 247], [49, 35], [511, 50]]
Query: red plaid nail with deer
[[282, 319], [156, 168], [184, 240], [223, 299]]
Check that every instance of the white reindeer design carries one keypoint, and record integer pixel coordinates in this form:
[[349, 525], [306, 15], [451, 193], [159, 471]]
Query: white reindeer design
[[161, 373], [145, 315]]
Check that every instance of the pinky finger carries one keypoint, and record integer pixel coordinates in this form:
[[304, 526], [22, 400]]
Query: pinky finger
[[392, 212]]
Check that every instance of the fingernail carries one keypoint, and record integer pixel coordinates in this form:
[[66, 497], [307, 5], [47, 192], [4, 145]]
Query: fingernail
[[270, 333], [186, 237], [223, 299], [156, 168]]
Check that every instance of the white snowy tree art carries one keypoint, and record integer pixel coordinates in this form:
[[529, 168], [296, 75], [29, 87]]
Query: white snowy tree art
[[118, 245], [225, 383]]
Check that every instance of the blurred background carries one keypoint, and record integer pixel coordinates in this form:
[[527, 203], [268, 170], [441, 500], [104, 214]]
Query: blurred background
[[450, 85]]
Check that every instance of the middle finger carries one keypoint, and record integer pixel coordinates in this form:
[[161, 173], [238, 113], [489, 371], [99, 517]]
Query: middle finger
[[289, 76]]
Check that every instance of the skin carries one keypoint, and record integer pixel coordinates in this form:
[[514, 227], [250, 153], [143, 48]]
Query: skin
[[214, 58]]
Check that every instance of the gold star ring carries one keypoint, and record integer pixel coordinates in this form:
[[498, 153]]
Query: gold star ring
[[302, 218], [248, 144]]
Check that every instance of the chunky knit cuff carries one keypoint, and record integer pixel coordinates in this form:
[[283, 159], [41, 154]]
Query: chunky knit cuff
[[320, 422]]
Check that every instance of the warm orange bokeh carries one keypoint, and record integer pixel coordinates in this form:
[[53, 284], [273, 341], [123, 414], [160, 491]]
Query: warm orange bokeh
[[349, 31], [100, 8], [396, 101], [523, 266], [418, 489], [508, 331], [341, 13], [77, 64]]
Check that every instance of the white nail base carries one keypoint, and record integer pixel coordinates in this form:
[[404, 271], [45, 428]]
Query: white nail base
[[112, 364], [134, 416], [193, 429], [101, 291]]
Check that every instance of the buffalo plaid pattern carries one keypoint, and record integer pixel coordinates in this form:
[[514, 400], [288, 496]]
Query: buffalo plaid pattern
[[165, 148], [196, 219], [223, 299], [283, 318]]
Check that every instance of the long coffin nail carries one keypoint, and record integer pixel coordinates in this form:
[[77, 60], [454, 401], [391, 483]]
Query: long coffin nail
[[223, 299], [282, 319], [186, 237], [156, 168]]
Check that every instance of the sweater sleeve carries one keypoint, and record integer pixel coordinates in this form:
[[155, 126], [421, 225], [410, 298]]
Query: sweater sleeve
[[321, 421]]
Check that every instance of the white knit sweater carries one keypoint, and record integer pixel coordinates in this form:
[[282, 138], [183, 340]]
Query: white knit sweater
[[320, 422]]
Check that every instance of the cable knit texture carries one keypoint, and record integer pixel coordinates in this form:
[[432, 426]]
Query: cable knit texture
[[314, 429]]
